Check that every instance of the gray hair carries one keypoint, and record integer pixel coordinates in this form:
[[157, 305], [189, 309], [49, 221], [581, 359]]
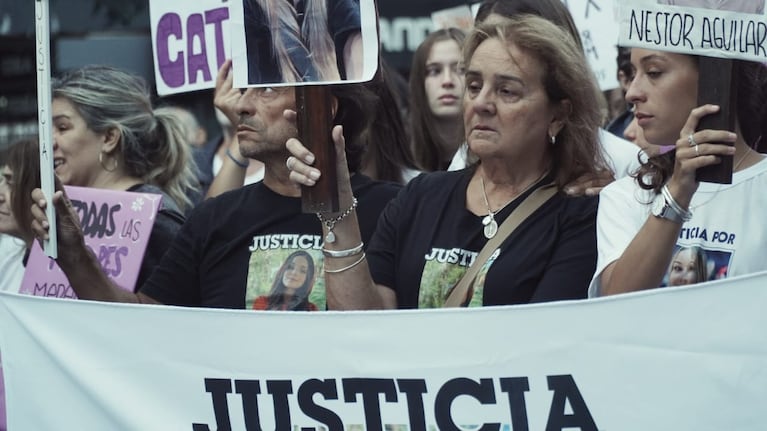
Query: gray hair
[[152, 142]]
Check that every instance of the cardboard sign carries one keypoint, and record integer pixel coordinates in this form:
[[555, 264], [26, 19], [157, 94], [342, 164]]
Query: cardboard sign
[[190, 42], [733, 29], [683, 358], [116, 225], [598, 29], [459, 17], [273, 44]]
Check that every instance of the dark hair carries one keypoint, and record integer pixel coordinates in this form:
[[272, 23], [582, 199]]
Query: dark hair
[[355, 114], [427, 143], [23, 159], [300, 300], [387, 144], [576, 151], [553, 10], [151, 144], [751, 117], [623, 60]]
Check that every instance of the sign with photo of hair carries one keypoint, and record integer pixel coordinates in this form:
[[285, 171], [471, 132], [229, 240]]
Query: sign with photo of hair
[[732, 29], [116, 226], [278, 42], [190, 42]]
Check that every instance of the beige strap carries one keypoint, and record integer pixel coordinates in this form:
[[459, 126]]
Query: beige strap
[[528, 206]]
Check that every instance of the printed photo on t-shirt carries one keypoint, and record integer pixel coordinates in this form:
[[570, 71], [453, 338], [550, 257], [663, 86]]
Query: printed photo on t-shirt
[[285, 279], [694, 264], [441, 272]]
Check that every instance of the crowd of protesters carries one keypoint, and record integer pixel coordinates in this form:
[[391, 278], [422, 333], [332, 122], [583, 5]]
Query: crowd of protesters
[[497, 104]]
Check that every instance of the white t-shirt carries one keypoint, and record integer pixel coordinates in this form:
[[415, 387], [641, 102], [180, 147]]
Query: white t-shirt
[[621, 155], [11, 263], [727, 225]]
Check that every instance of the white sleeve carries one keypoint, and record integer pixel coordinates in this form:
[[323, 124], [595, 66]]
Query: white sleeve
[[620, 154], [623, 210]]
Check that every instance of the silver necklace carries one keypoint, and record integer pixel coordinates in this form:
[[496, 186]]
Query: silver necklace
[[491, 226]]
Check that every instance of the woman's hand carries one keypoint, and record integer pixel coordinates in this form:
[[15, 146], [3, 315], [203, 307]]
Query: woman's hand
[[695, 150], [225, 96], [70, 238], [590, 184], [302, 172]]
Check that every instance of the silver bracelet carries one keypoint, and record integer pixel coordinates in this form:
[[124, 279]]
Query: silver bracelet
[[686, 215], [343, 253], [330, 224], [336, 271]]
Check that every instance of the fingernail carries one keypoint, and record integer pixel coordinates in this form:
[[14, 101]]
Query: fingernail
[[569, 190], [45, 225], [732, 136], [310, 182], [309, 159], [314, 175]]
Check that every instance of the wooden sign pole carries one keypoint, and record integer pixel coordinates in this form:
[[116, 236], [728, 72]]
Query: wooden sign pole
[[716, 86], [315, 123]]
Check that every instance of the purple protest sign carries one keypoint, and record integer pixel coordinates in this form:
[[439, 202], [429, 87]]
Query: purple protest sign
[[190, 42], [116, 225]]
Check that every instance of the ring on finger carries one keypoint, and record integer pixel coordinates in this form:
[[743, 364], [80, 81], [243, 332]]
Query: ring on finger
[[691, 140], [697, 152], [287, 162]]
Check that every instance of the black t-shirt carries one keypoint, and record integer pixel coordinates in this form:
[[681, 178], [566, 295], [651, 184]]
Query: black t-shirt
[[167, 223], [426, 239], [233, 250]]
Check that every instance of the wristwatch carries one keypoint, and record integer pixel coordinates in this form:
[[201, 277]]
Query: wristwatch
[[663, 208]]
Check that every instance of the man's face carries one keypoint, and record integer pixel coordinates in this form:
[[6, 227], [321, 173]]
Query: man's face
[[263, 130]]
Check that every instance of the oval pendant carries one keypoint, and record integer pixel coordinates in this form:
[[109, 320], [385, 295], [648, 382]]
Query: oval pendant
[[491, 229], [330, 238]]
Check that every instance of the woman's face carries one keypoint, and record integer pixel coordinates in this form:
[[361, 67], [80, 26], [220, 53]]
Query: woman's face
[[76, 148], [8, 223], [635, 134], [664, 90], [506, 110], [444, 79], [683, 268], [296, 272]]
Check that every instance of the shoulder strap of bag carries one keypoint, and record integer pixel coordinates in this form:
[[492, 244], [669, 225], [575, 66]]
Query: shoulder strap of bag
[[520, 213]]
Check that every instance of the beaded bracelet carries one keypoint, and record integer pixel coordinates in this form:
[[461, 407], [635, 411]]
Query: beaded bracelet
[[343, 253], [336, 271], [330, 224], [237, 162]]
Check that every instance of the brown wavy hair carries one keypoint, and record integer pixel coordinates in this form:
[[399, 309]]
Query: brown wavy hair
[[567, 77]]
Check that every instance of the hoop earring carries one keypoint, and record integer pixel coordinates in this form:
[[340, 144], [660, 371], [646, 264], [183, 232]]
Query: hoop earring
[[101, 162]]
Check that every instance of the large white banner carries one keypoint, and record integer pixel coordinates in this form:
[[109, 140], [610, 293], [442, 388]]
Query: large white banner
[[683, 359], [734, 29]]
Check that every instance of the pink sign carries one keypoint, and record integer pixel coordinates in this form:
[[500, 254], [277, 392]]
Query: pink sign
[[116, 225]]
